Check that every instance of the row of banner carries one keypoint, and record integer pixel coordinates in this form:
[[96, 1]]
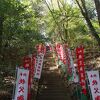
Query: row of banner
[[23, 77], [78, 75], [32, 68]]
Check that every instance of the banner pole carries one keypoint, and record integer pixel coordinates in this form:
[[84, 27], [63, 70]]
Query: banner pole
[[14, 86], [77, 93], [90, 92], [88, 86]]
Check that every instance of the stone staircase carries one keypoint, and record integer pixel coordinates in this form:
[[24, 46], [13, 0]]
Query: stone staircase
[[51, 86]]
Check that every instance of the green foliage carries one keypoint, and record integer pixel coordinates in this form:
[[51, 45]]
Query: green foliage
[[68, 21], [65, 23], [24, 21], [20, 31]]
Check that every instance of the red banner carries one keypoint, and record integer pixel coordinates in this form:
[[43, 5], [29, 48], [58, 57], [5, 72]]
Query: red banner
[[41, 48], [29, 63], [61, 52], [80, 63]]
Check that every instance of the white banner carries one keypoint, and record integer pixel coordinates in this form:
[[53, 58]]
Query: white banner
[[38, 66], [94, 81], [21, 91], [72, 67]]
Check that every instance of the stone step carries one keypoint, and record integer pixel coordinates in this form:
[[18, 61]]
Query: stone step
[[51, 86], [54, 84], [53, 98], [48, 91], [53, 89]]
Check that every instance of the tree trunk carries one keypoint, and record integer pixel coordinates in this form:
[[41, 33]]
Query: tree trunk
[[1, 32], [97, 5], [92, 29], [88, 21]]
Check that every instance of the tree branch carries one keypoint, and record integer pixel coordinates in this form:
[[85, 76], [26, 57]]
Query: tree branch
[[55, 21]]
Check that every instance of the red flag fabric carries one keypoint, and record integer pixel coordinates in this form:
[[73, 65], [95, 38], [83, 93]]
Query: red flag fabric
[[61, 52], [29, 63], [80, 63], [41, 48]]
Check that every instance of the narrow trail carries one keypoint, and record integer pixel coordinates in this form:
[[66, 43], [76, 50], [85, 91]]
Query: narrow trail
[[51, 86]]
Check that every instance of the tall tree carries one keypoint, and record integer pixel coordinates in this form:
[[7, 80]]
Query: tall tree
[[18, 30], [82, 6], [1, 31], [67, 19], [97, 4]]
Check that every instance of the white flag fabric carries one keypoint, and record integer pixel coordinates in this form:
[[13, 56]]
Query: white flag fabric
[[21, 91], [94, 81], [39, 65], [36, 63], [72, 67]]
